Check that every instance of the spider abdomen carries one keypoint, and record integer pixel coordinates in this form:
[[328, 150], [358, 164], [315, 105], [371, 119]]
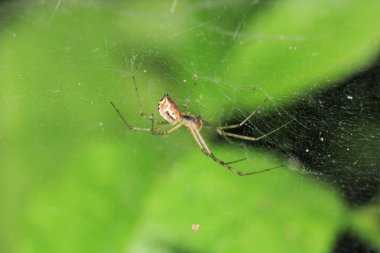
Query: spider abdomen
[[168, 109]]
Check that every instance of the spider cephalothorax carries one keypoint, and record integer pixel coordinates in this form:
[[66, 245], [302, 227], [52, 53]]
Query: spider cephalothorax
[[192, 122]]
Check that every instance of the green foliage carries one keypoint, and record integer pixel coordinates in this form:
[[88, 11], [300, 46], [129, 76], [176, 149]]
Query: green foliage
[[74, 179]]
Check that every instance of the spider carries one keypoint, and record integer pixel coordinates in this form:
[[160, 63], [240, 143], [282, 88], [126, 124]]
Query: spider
[[171, 113]]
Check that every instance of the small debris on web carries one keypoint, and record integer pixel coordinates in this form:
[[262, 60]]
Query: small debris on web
[[195, 227]]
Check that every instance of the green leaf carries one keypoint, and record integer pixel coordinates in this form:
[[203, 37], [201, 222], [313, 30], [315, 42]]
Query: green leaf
[[74, 179], [237, 214]]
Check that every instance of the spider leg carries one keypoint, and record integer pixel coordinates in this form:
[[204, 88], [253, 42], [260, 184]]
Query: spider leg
[[202, 144], [236, 161], [152, 129], [208, 125], [245, 120], [142, 113], [249, 138], [163, 122], [157, 131], [126, 122]]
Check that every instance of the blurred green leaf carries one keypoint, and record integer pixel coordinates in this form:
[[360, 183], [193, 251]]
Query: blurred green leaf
[[236, 214], [294, 46], [74, 179], [365, 221]]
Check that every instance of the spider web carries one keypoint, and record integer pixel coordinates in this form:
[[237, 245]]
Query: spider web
[[314, 115], [332, 126], [334, 115]]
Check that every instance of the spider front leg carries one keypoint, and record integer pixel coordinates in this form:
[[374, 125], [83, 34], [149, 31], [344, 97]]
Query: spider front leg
[[157, 131], [126, 122], [152, 129], [141, 111]]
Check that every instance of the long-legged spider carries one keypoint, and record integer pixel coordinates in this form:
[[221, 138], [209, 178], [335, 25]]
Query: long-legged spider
[[171, 113]]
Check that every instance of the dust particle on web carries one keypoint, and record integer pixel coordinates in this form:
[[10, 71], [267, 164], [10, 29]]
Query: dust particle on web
[[195, 227]]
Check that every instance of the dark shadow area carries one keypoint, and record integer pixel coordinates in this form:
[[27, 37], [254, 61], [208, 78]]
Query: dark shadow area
[[6, 1], [350, 243], [9, 11], [336, 135]]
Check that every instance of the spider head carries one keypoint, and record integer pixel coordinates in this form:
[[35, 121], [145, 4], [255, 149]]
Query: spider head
[[168, 109]]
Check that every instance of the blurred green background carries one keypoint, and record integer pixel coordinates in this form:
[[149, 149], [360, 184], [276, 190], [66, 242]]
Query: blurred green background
[[74, 179]]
